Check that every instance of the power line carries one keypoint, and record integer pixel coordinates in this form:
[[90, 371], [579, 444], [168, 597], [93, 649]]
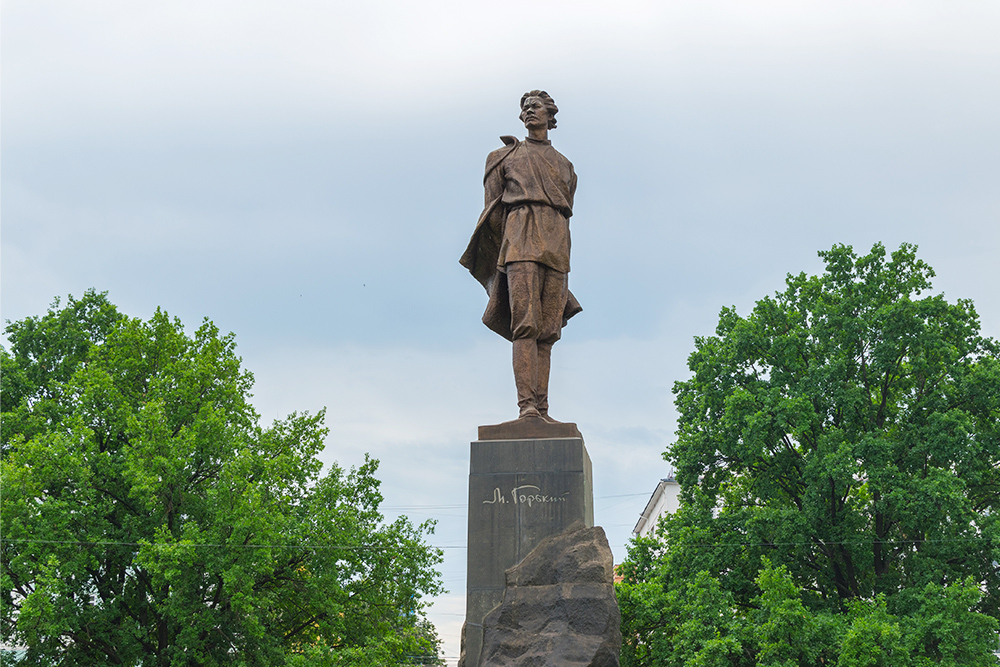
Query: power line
[[856, 543], [346, 547], [370, 547]]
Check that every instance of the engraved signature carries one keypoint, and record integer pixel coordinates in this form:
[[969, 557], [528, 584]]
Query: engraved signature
[[523, 495]]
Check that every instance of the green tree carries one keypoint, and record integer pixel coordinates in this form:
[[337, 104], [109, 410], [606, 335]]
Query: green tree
[[839, 457], [148, 518]]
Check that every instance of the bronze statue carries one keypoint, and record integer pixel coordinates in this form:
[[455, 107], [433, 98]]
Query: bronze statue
[[520, 249]]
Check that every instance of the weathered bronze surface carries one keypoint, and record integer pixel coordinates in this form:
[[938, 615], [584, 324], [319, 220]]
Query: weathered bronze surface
[[520, 251], [529, 428]]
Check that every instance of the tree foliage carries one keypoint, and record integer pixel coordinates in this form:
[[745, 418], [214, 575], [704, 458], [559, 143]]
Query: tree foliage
[[839, 457], [148, 518]]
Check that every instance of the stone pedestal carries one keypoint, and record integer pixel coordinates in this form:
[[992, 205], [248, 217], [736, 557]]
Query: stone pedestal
[[520, 492]]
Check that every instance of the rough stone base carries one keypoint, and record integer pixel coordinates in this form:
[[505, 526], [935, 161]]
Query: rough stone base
[[520, 493], [559, 607]]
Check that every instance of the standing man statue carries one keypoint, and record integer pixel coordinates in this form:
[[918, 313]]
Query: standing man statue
[[520, 249]]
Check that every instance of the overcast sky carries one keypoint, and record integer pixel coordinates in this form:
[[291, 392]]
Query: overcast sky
[[307, 174]]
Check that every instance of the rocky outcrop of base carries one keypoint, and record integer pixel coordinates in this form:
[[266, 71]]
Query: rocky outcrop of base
[[559, 606]]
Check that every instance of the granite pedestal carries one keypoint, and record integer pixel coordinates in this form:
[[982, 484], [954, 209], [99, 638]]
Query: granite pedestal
[[520, 492]]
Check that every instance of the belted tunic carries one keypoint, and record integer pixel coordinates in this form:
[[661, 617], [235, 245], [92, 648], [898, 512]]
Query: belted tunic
[[529, 188]]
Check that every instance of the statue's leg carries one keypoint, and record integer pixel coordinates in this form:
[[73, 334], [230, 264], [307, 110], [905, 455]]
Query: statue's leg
[[526, 376], [524, 285], [542, 378], [553, 302]]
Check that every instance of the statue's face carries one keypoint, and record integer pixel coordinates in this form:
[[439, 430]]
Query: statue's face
[[534, 114]]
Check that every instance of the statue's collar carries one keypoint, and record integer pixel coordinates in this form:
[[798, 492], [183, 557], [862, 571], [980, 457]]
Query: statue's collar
[[541, 142]]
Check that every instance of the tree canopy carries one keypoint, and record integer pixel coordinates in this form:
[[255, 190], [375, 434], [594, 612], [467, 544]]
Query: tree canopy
[[148, 518], [839, 456]]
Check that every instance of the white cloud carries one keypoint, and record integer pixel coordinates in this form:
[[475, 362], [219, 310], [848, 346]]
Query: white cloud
[[306, 173], [237, 64]]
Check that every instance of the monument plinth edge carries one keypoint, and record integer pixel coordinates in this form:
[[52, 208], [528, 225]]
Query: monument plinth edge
[[529, 428]]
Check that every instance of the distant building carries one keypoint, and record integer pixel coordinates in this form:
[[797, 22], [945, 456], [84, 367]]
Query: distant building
[[663, 501]]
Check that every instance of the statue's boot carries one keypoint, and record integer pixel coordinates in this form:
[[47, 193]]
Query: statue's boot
[[525, 376], [542, 381]]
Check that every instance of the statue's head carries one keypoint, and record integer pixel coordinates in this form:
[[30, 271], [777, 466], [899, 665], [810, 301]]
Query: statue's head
[[538, 101]]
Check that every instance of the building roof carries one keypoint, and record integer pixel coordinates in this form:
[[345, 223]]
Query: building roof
[[653, 500]]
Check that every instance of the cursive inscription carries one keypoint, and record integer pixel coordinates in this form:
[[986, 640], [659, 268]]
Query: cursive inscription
[[497, 498], [526, 494]]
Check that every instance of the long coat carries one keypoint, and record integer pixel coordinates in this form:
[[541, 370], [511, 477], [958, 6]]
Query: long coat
[[480, 257]]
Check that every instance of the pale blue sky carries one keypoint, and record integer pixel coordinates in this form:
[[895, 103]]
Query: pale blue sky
[[307, 174]]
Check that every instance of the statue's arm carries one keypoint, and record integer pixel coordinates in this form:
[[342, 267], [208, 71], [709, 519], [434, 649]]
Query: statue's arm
[[572, 184], [493, 182], [494, 178]]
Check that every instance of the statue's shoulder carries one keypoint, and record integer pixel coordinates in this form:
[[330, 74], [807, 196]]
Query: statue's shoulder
[[509, 144], [495, 157], [562, 157]]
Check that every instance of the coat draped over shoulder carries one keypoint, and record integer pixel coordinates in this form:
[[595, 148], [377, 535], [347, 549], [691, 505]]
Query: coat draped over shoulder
[[483, 251]]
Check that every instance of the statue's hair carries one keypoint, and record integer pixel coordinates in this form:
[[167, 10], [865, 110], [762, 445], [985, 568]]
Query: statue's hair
[[550, 105]]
